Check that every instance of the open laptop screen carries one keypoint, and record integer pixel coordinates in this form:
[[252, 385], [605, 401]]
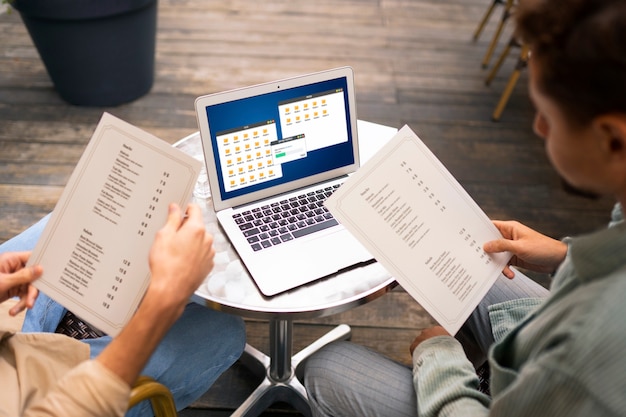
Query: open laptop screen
[[280, 136]]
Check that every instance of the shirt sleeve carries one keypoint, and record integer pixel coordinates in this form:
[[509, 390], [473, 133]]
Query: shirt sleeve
[[88, 390], [445, 381]]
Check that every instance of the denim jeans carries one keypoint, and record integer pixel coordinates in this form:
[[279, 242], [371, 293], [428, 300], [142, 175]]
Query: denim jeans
[[197, 349]]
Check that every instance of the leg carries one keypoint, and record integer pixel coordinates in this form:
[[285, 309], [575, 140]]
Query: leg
[[46, 313], [27, 239], [200, 346], [345, 379], [475, 335]]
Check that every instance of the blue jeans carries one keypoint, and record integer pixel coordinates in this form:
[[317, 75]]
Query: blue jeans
[[345, 379], [199, 347]]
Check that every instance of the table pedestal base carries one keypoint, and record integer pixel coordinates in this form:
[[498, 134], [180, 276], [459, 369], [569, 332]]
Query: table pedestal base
[[280, 383]]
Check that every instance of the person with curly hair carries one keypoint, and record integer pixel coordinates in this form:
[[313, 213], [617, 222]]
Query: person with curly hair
[[549, 353]]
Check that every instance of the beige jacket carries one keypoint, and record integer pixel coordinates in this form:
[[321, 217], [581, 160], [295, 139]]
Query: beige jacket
[[44, 374]]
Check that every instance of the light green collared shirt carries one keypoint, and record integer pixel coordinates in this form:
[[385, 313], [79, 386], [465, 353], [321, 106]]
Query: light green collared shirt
[[563, 356]]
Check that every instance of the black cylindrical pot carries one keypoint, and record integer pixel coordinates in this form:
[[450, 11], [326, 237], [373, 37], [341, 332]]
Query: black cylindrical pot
[[97, 52]]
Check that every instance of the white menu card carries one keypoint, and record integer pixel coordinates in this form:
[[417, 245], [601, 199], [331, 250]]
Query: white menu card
[[415, 218], [94, 249]]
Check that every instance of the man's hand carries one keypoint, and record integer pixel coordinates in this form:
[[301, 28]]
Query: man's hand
[[181, 256], [180, 259], [531, 250], [428, 334], [15, 280]]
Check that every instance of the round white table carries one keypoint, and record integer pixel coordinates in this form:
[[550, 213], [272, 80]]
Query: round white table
[[229, 288]]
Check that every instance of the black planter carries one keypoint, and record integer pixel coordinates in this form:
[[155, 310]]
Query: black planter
[[97, 52]]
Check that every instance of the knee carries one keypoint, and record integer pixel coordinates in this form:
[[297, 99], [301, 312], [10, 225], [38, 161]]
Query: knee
[[224, 333], [234, 340], [329, 378], [207, 337], [329, 366], [197, 350]]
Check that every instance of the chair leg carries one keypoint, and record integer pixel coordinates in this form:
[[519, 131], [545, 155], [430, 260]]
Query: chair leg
[[506, 94], [504, 98], [494, 41], [500, 61], [163, 405], [160, 397], [485, 18]]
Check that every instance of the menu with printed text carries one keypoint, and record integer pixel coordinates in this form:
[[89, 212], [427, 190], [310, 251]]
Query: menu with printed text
[[420, 224], [94, 249]]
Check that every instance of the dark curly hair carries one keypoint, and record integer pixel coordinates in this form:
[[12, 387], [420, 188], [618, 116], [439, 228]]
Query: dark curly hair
[[580, 49]]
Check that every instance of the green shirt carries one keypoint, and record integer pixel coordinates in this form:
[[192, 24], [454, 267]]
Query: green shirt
[[563, 356]]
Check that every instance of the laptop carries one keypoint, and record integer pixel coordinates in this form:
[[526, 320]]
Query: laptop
[[273, 153]]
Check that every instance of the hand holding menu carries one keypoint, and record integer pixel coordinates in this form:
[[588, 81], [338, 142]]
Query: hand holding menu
[[420, 224], [94, 249]]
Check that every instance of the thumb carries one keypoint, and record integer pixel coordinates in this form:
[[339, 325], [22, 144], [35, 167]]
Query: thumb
[[17, 284], [174, 217], [23, 276], [499, 245]]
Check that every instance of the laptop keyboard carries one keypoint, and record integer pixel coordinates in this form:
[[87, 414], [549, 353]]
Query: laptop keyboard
[[288, 219]]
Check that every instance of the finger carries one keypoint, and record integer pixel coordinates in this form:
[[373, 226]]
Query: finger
[[13, 261], [31, 296], [22, 256], [508, 272], [194, 213], [498, 245], [23, 276], [18, 308], [26, 301], [507, 228], [500, 225], [426, 334], [27, 294], [174, 217]]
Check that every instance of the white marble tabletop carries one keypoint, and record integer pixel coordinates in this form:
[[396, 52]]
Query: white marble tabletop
[[229, 286]]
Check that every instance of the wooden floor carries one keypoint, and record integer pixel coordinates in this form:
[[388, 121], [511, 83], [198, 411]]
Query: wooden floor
[[415, 63]]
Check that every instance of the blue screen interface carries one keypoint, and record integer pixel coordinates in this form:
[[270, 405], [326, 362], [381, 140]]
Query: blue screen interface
[[281, 136]]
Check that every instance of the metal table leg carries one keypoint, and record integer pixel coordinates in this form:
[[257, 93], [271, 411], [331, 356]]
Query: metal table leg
[[280, 383]]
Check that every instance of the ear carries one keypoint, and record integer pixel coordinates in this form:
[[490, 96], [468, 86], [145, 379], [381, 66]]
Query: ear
[[611, 130]]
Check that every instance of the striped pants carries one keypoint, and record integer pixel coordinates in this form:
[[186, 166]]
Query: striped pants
[[345, 379]]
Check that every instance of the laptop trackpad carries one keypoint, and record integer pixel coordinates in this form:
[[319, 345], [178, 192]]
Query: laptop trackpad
[[307, 261]]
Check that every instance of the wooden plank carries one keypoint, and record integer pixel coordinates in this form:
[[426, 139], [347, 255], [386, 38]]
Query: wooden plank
[[23, 205], [415, 63], [241, 382]]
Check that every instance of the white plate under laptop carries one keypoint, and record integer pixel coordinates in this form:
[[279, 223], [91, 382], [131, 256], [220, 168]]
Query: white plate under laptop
[[273, 152]]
